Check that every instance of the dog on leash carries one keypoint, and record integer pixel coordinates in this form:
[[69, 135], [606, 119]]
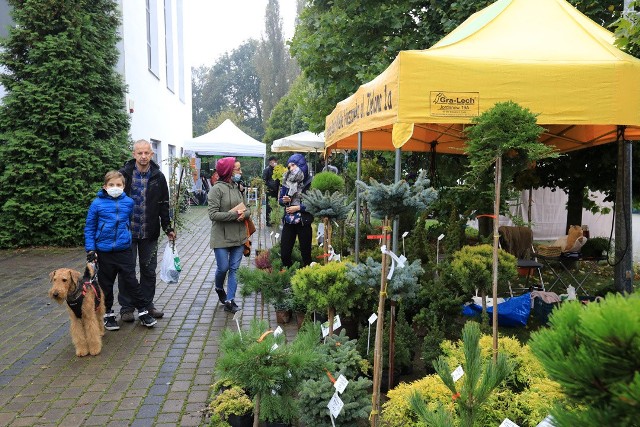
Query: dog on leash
[[85, 304]]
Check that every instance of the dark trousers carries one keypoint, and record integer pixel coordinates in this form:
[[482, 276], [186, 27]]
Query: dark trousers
[[146, 251], [120, 264], [289, 233]]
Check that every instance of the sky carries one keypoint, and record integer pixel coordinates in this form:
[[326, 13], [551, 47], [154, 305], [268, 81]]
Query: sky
[[217, 26]]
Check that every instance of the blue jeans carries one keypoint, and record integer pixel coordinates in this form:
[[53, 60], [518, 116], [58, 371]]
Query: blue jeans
[[228, 260]]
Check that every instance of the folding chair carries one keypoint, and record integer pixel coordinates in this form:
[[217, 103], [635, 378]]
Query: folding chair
[[518, 241]]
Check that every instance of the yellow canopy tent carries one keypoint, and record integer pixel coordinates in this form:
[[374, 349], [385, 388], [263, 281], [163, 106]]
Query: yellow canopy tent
[[543, 54]]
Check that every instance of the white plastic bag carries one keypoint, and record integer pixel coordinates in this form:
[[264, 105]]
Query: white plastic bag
[[170, 268]]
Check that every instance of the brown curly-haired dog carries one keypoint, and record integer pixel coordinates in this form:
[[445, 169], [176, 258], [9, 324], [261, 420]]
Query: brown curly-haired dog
[[86, 312]]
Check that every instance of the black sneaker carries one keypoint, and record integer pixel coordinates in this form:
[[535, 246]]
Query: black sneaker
[[146, 319], [231, 307], [110, 323], [222, 295]]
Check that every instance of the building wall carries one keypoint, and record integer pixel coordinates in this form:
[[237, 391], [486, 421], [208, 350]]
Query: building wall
[[160, 108]]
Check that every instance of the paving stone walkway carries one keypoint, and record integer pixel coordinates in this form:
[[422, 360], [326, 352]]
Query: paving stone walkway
[[143, 377]]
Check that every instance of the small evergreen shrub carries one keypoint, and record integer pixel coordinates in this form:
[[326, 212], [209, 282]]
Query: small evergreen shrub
[[593, 352], [525, 396], [328, 182]]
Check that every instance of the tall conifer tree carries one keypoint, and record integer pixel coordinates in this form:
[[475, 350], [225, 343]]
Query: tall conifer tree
[[63, 122]]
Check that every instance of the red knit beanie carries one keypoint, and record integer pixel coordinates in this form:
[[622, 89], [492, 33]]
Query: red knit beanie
[[224, 167]]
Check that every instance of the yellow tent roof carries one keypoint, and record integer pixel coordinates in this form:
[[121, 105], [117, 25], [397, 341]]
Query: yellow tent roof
[[543, 54]]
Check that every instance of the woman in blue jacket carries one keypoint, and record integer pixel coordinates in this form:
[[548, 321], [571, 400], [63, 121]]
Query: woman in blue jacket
[[107, 239]]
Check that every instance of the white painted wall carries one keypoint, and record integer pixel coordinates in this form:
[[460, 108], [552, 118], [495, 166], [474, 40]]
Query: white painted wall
[[158, 113]]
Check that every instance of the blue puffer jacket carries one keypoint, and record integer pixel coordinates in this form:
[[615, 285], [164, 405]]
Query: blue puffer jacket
[[108, 223]]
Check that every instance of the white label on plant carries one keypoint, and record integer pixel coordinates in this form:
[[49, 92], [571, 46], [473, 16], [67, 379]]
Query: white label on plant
[[336, 322], [373, 318], [341, 383], [547, 422], [508, 423], [237, 315], [277, 332], [273, 347], [325, 325], [335, 405], [457, 374], [277, 235]]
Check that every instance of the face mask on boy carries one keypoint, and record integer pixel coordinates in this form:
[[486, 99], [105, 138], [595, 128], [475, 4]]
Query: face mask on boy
[[237, 177], [114, 191]]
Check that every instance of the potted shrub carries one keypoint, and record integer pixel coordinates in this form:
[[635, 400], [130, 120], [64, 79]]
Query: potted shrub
[[272, 282], [283, 308], [232, 405], [268, 368]]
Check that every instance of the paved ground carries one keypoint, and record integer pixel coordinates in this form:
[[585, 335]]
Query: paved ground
[[143, 377]]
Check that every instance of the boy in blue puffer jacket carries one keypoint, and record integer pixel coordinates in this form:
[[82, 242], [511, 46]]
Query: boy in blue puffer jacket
[[107, 239]]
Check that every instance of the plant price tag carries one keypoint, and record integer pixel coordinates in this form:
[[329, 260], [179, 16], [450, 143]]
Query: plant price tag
[[547, 422], [335, 405], [325, 325], [508, 423], [274, 347], [457, 374], [373, 318], [277, 332], [341, 383]]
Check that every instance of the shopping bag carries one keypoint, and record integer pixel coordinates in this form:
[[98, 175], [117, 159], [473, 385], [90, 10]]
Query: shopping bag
[[170, 268]]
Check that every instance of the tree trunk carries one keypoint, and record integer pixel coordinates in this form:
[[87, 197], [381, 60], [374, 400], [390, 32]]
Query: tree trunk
[[256, 411], [392, 341], [377, 353], [331, 312], [574, 207]]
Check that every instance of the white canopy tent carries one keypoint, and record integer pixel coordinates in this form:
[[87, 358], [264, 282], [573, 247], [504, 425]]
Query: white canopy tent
[[226, 140], [303, 142]]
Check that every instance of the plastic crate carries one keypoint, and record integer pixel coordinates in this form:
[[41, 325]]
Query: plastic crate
[[542, 310]]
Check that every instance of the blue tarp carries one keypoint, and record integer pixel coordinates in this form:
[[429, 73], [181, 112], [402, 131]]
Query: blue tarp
[[513, 312]]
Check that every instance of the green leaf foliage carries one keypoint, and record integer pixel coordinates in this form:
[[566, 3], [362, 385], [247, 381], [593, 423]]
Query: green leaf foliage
[[593, 352], [274, 283], [328, 182], [324, 205], [63, 122], [472, 266], [326, 286]]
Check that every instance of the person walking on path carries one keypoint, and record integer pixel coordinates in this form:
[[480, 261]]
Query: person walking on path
[[227, 212], [296, 221], [147, 186], [107, 239], [272, 187]]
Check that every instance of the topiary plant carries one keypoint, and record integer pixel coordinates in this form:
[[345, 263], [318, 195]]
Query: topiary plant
[[327, 182], [472, 266], [326, 288], [593, 352], [232, 401]]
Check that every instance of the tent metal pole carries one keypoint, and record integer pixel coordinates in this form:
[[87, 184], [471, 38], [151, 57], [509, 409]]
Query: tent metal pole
[[623, 270], [396, 220], [358, 172]]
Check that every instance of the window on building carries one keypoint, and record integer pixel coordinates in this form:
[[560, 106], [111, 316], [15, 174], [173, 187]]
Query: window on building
[[157, 150], [179, 34], [168, 43], [172, 153], [152, 37]]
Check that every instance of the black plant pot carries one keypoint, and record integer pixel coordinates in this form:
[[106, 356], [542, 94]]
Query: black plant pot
[[240, 420]]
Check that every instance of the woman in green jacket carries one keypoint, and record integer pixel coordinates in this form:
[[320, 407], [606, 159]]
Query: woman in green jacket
[[227, 211]]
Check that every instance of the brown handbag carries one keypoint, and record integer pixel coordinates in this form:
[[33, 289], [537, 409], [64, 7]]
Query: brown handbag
[[251, 227], [246, 250]]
